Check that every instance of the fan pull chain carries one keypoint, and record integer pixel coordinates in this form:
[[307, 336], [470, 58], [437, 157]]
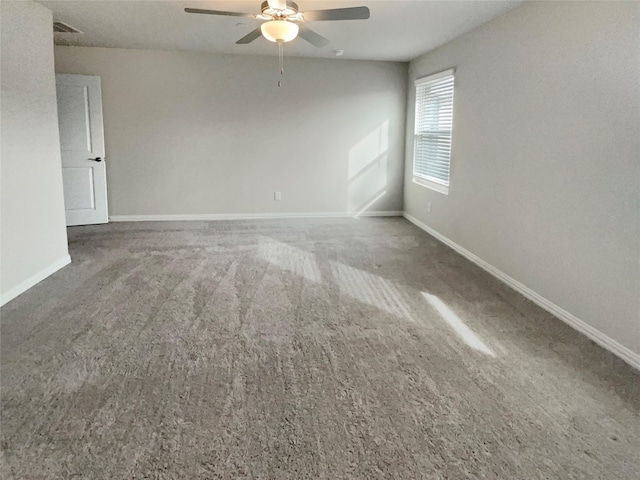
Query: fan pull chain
[[281, 61]]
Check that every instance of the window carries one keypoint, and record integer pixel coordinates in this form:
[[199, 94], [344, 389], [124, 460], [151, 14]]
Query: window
[[432, 137]]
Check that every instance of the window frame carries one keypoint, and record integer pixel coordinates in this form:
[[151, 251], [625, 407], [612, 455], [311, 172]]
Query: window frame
[[424, 180]]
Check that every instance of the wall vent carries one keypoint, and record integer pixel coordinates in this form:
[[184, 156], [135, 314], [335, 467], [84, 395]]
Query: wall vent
[[60, 27]]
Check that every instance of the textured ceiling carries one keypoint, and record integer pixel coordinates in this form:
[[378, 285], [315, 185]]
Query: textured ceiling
[[397, 30]]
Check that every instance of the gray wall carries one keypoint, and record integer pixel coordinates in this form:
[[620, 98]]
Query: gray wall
[[33, 235], [545, 181], [190, 133]]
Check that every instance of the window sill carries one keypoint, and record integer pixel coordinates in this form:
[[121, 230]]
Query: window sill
[[431, 185]]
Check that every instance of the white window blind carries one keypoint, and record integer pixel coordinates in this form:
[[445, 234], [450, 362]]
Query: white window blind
[[434, 118]]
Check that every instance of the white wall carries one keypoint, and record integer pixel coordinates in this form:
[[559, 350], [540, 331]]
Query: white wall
[[545, 181], [33, 237], [192, 133]]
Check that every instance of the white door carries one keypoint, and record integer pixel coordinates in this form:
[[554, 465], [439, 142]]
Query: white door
[[82, 147]]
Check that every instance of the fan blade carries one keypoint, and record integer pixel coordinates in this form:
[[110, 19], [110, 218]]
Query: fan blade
[[312, 37], [218, 12], [250, 37], [353, 13]]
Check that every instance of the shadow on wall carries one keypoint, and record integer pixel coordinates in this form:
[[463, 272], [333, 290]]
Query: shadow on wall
[[367, 174]]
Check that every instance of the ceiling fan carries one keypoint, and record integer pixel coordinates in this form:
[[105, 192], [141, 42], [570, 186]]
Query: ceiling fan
[[283, 21]]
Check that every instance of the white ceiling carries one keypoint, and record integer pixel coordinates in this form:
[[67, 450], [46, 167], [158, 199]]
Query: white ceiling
[[397, 30]]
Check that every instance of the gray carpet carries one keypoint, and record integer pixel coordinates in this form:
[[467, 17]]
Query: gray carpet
[[324, 349]]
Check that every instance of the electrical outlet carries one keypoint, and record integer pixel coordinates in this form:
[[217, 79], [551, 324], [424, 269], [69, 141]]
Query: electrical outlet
[[277, 195]]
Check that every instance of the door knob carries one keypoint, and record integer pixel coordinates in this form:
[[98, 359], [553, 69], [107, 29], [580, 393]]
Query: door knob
[[97, 159]]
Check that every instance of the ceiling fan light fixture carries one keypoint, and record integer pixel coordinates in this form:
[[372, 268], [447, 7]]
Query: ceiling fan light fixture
[[279, 31]]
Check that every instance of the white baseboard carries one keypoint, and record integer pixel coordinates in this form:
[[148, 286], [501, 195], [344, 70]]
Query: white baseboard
[[247, 216], [34, 279], [626, 354]]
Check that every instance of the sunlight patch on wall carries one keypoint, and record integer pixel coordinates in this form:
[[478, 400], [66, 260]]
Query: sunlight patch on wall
[[370, 204], [368, 164], [463, 331]]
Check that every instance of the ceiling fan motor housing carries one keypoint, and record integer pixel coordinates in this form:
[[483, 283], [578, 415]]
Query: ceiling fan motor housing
[[291, 9]]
